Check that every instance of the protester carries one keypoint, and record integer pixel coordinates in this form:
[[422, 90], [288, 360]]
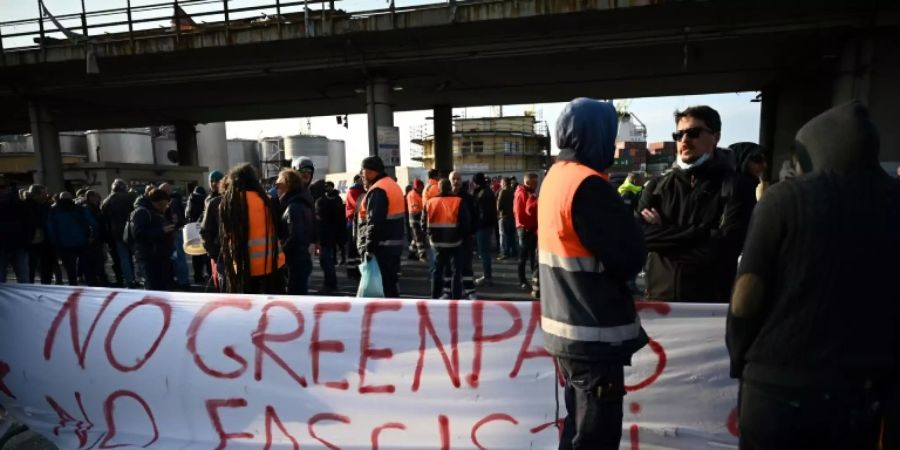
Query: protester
[[175, 215], [70, 229], [209, 228], [750, 164], [445, 221], [380, 220], [525, 211], [486, 211], [94, 262], [14, 233], [195, 206], [507, 220], [298, 229], [351, 208], [461, 190], [431, 189], [40, 252], [331, 231], [630, 190], [590, 246], [116, 210], [695, 217], [153, 237], [814, 322], [248, 232], [416, 206]]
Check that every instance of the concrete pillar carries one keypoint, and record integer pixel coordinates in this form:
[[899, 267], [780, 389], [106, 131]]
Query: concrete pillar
[[186, 140], [47, 155], [379, 109], [443, 138]]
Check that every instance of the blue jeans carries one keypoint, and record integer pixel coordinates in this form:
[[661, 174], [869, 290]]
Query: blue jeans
[[483, 239], [179, 260], [508, 237], [125, 262], [18, 258], [327, 262]]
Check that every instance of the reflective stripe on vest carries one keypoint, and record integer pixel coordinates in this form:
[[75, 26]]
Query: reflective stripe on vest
[[261, 245], [610, 335], [442, 214], [396, 209], [414, 200]]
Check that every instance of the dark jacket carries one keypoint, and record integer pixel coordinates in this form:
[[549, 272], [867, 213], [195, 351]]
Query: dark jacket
[[150, 241], [116, 209], [69, 225], [101, 233], [823, 247], [298, 228], [485, 206], [505, 203], [38, 214], [331, 223], [209, 226], [606, 228], [743, 153], [705, 212], [175, 211], [15, 233], [196, 205]]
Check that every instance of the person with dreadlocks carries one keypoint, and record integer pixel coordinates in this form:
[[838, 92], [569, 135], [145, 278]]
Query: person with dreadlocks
[[248, 233]]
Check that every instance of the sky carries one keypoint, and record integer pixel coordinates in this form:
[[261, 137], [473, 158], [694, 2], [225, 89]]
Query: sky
[[740, 122], [740, 117]]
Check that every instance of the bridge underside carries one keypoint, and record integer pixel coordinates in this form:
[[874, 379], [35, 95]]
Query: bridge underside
[[672, 49]]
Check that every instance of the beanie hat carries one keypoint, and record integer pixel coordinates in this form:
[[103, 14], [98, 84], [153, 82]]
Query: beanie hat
[[373, 163], [216, 175], [304, 162]]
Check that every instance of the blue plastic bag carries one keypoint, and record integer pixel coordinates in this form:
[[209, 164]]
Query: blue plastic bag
[[370, 285]]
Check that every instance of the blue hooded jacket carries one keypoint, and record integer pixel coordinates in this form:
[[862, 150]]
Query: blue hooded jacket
[[588, 128]]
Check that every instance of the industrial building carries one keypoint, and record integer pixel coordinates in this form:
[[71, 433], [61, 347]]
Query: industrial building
[[492, 145], [94, 158]]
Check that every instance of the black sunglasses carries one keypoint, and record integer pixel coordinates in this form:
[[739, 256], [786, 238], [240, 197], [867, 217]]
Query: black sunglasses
[[692, 133]]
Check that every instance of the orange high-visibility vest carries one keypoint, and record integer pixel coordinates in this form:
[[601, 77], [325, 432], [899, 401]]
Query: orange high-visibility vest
[[576, 317], [431, 190], [395, 227], [443, 221], [414, 202], [262, 237]]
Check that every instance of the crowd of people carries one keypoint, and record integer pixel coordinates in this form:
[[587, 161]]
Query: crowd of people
[[813, 327]]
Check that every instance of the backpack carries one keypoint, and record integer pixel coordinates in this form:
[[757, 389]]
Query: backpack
[[128, 236]]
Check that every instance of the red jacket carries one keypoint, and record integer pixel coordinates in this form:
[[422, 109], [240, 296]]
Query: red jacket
[[352, 195], [525, 205]]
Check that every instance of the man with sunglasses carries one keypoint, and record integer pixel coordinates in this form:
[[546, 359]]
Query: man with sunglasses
[[696, 216]]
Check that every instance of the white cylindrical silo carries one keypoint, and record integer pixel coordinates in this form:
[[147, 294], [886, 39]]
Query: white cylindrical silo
[[313, 147], [337, 156], [242, 151], [130, 145], [212, 150]]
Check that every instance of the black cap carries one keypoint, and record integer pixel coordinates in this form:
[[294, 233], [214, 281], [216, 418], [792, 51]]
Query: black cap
[[373, 163]]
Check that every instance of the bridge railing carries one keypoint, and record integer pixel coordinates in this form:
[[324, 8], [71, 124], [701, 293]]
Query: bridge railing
[[135, 21]]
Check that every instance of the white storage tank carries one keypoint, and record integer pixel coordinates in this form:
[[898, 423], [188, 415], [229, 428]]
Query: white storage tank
[[128, 145], [337, 156], [270, 155], [165, 149], [212, 149], [242, 151], [313, 147], [72, 143]]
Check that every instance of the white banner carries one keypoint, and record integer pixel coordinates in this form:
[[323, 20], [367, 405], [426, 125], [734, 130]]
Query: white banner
[[100, 368]]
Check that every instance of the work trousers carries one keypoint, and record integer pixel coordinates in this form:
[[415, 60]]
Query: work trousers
[[594, 393]]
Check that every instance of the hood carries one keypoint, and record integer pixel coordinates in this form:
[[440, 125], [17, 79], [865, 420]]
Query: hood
[[840, 139], [199, 191], [298, 196], [522, 188], [144, 202], [588, 128], [743, 152], [418, 185]]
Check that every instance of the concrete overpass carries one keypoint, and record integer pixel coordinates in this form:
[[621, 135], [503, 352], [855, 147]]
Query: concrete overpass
[[804, 56]]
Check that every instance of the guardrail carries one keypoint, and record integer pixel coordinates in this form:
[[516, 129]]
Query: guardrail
[[171, 17]]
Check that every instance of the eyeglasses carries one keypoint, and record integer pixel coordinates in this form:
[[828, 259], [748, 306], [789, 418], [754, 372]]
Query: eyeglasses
[[691, 133], [306, 171]]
